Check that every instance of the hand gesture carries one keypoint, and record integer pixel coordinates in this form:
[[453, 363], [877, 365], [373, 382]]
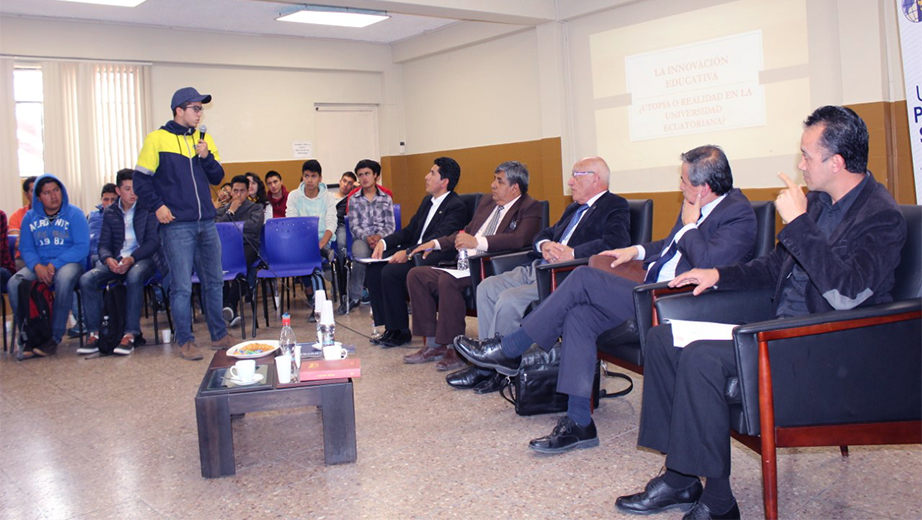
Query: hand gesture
[[201, 148], [465, 241], [791, 201], [705, 278], [425, 248], [622, 255], [378, 252], [164, 215], [691, 212]]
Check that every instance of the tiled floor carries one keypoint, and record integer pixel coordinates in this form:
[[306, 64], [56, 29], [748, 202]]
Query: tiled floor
[[116, 438]]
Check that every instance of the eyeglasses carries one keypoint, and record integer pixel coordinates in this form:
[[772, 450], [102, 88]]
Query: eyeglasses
[[194, 108]]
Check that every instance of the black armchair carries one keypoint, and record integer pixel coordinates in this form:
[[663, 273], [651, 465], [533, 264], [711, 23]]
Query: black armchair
[[830, 379], [550, 276], [623, 345]]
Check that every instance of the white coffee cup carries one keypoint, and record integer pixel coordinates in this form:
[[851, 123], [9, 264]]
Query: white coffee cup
[[283, 366], [166, 336], [243, 370], [333, 352]]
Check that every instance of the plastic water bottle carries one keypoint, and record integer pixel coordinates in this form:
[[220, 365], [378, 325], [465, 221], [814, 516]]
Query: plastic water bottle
[[287, 343], [463, 263]]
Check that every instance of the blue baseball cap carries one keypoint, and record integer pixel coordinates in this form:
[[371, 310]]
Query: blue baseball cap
[[188, 95]]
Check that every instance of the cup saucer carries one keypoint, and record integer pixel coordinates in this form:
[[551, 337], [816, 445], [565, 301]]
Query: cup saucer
[[241, 382]]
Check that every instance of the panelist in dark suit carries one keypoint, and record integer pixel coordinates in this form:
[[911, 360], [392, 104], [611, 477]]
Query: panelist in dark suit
[[441, 213], [507, 220], [839, 250], [716, 226], [596, 220]]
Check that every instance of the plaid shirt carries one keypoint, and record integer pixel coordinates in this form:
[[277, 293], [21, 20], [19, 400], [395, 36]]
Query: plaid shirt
[[371, 217], [5, 260]]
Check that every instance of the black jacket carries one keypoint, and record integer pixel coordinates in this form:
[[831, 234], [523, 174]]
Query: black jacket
[[112, 235], [605, 225], [450, 217], [853, 267], [252, 216]]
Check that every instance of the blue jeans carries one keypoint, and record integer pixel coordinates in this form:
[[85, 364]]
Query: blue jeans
[[188, 244], [134, 281], [65, 279]]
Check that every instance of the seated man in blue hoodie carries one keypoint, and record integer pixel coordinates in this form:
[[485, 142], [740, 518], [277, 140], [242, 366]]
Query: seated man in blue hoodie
[[128, 247], [312, 199], [54, 241]]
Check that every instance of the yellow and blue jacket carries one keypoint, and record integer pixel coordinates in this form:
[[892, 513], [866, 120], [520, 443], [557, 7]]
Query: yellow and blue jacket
[[172, 174]]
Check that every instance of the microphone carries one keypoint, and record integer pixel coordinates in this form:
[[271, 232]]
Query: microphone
[[202, 129]]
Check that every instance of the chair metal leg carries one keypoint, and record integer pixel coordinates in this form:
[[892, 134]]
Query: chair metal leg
[[242, 302], [265, 303], [80, 318], [844, 450]]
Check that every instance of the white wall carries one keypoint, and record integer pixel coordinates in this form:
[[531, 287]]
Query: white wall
[[474, 96], [264, 88]]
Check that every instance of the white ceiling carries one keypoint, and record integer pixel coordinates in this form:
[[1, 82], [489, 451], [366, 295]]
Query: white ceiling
[[240, 16]]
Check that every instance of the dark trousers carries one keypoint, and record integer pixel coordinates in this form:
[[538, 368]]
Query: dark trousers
[[685, 414], [433, 291], [588, 303], [387, 290]]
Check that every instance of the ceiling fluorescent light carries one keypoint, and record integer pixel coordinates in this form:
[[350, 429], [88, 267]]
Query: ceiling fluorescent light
[[335, 16], [119, 3]]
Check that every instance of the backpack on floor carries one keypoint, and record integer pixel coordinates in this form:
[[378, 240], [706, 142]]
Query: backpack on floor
[[112, 326], [35, 302]]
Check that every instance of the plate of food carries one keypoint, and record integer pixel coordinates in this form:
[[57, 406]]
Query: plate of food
[[253, 349]]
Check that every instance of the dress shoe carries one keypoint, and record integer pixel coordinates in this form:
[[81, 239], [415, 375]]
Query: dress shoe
[[657, 497], [376, 340], [468, 378], [567, 435], [450, 361], [399, 338], [487, 354], [702, 512], [494, 383], [426, 355]]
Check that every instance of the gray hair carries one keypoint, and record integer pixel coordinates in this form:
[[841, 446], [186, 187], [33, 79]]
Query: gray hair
[[709, 165], [516, 173]]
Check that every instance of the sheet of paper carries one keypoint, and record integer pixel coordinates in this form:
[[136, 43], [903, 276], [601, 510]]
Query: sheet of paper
[[370, 260], [684, 331], [455, 272]]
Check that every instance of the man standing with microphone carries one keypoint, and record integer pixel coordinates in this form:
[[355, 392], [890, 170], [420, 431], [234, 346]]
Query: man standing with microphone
[[176, 165]]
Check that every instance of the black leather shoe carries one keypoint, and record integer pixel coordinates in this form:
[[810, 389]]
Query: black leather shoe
[[702, 512], [401, 337], [384, 336], [657, 497], [567, 435], [487, 354], [468, 378], [492, 384]]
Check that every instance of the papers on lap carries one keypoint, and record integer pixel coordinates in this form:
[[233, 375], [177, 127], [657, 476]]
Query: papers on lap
[[456, 272], [370, 260], [684, 331]]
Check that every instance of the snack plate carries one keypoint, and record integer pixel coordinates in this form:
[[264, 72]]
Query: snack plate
[[240, 350]]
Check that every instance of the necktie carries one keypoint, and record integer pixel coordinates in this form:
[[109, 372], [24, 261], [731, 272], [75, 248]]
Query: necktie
[[653, 272], [494, 222], [572, 225]]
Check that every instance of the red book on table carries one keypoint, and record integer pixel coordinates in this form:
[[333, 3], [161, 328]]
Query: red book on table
[[318, 369]]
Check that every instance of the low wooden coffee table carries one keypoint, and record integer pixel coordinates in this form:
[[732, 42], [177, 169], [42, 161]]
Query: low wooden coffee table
[[216, 403]]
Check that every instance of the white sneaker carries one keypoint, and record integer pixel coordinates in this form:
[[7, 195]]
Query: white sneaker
[[227, 314]]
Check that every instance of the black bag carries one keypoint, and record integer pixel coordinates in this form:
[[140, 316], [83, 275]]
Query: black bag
[[534, 390], [112, 326], [35, 303]]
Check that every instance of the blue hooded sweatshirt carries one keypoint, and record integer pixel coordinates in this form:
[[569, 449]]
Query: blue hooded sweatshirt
[[64, 240]]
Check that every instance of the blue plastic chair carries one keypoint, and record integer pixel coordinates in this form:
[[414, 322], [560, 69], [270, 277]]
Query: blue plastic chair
[[291, 248], [397, 220], [233, 263]]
